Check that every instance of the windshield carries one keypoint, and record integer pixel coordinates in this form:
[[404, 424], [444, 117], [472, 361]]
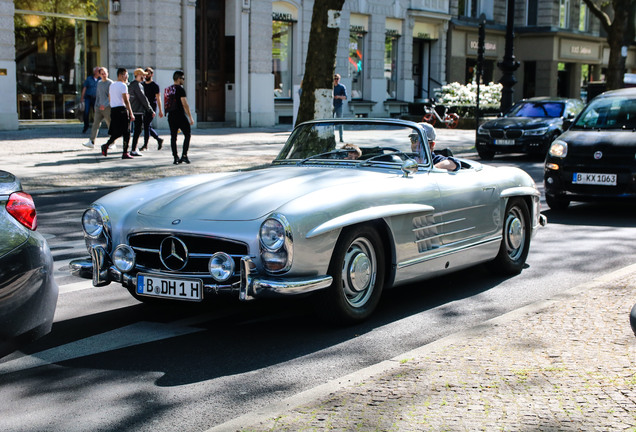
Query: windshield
[[536, 109], [608, 113], [370, 142]]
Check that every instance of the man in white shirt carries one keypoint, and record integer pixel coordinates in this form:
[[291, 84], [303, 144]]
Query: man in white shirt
[[121, 113]]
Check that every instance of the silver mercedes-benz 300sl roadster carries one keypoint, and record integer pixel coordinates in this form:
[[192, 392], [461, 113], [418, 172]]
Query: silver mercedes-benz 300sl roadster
[[341, 218]]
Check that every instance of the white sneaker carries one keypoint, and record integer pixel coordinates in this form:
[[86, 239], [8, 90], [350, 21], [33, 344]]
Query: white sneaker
[[89, 144]]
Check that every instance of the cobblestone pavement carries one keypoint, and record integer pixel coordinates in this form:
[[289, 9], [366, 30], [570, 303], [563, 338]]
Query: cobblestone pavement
[[566, 364]]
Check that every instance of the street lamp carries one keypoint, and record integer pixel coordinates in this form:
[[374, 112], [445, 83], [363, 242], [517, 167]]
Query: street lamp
[[509, 65]]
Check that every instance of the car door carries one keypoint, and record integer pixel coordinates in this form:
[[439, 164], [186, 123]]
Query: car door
[[469, 206]]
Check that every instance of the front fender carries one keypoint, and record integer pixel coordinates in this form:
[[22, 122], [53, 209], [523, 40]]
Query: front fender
[[367, 214]]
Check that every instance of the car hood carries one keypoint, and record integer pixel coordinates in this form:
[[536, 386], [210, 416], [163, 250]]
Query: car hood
[[520, 122], [250, 195], [600, 137]]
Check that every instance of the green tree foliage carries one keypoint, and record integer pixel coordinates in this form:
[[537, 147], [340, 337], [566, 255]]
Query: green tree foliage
[[617, 19]]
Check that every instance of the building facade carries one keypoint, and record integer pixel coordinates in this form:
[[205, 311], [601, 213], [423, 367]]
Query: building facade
[[559, 44], [244, 59]]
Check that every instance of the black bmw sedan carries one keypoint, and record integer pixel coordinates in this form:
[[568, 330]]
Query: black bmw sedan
[[596, 158], [529, 126], [28, 292]]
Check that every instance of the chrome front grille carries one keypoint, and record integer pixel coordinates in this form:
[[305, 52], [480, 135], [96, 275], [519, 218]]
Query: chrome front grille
[[147, 247], [506, 133]]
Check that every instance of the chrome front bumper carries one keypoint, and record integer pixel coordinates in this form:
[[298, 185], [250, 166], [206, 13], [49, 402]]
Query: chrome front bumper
[[251, 285]]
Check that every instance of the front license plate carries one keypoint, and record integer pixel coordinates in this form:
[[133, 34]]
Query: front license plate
[[173, 288], [594, 179], [504, 142]]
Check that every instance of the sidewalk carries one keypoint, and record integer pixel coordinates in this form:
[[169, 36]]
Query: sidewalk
[[565, 364], [51, 158]]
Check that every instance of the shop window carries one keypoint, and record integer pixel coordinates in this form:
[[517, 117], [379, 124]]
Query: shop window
[[356, 63], [282, 58], [471, 71], [53, 55], [391, 64], [93, 9]]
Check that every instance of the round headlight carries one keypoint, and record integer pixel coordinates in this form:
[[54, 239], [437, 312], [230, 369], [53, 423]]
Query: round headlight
[[124, 258], [558, 149], [221, 266], [272, 235], [92, 222]]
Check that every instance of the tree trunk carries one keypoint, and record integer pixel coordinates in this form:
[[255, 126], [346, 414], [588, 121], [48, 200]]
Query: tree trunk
[[316, 99], [620, 31]]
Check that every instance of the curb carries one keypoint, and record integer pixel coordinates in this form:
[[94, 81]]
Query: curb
[[322, 391]]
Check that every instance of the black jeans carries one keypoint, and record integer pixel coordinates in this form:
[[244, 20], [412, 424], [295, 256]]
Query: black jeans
[[148, 130], [119, 127], [176, 121], [138, 125]]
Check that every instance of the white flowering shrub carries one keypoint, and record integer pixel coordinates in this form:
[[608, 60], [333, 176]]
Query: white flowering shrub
[[464, 97]]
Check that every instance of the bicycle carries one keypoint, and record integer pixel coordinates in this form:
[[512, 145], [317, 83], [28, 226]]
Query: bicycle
[[433, 115]]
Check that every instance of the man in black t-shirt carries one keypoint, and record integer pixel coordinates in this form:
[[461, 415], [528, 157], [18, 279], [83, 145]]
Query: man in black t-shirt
[[151, 90], [179, 116]]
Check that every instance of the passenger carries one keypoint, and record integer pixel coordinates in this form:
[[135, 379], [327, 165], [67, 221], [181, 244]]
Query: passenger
[[353, 150], [439, 161]]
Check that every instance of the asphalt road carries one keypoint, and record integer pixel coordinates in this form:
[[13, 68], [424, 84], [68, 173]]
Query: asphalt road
[[114, 364]]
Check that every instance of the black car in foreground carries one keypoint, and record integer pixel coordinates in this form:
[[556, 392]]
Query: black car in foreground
[[28, 292], [596, 158], [529, 126]]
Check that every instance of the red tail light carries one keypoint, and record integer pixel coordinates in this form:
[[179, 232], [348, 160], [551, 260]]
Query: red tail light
[[22, 208]]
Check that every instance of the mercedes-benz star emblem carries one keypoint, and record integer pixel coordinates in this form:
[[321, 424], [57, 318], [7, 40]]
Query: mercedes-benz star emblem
[[598, 155], [173, 253]]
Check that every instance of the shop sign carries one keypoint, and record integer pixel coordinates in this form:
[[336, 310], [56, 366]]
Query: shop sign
[[427, 31], [579, 50], [472, 44], [282, 16]]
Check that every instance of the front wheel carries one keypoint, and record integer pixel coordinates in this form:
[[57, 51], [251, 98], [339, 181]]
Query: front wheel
[[452, 120], [485, 154], [357, 267], [557, 203], [515, 243], [429, 117]]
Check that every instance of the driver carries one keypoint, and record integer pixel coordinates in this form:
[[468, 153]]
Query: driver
[[439, 161]]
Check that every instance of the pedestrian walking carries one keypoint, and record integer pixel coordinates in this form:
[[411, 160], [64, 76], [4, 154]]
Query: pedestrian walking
[[140, 107], [152, 91], [89, 90], [102, 106], [339, 95], [121, 113], [179, 116]]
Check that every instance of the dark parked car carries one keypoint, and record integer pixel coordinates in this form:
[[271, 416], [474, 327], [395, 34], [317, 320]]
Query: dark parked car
[[28, 292], [529, 126], [596, 158]]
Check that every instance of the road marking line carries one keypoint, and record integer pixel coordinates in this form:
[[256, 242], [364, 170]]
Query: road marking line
[[134, 334]]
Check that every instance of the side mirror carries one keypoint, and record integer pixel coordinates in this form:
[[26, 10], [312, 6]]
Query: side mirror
[[567, 123], [409, 166]]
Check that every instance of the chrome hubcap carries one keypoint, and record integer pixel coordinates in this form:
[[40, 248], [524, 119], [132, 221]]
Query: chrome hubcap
[[358, 272]]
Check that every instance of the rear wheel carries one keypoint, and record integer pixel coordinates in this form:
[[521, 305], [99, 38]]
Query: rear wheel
[[557, 203], [515, 243], [452, 120], [357, 267]]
